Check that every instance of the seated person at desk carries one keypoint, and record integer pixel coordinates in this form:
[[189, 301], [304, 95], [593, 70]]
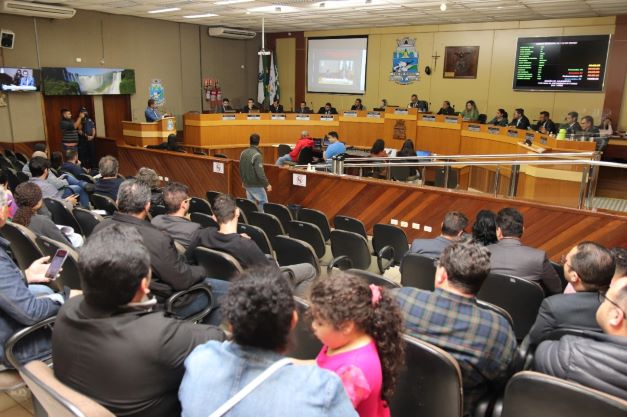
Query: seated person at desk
[[382, 105], [408, 150], [225, 106], [327, 109], [250, 107], [500, 119], [358, 105], [335, 146], [421, 105], [589, 130], [606, 126], [470, 113], [303, 109], [276, 107], [545, 124], [151, 113], [447, 109], [378, 151], [573, 126], [305, 141], [520, 121]]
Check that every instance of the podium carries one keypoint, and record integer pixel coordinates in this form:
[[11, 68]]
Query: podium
[[142, 134]]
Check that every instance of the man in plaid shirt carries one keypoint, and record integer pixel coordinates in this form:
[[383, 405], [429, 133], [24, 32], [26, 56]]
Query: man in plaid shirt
[[482, 341]]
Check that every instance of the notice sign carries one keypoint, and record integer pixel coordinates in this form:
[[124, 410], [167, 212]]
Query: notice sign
[[218, 167], [302, 117], [278, 116], [326, 118], [299, 180], [253, 117], [228, 117]]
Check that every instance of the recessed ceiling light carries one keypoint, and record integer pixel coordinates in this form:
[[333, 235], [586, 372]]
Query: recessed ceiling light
[[443, 6], [224, 2], [171, 9], [198, 16]]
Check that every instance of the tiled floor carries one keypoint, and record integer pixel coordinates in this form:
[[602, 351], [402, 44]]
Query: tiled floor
[[16, 403]]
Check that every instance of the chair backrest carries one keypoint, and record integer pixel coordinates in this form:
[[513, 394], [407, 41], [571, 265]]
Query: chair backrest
[[496, 309], [211, 195], [23, 244], [559, 268], [318, 218], [531, 394], [218, 264], [372, 278], [69, 276], [157, 210], [86, 219], [103, 202], [400, 173], [258, 236], [204, 220], [12, 178], [283, 149], [21, 157], [430, 383], [305, 156], [303, 343], [61, 214], [519, 297], [280, 211], [290, 251], [269, 223], [247, 206], [350, 224], [200, 205], [482, 118], [87, 178], [452, 178], [418, 271], [5, 163], [352, 245], [309, 233], [58, 399], [22, 177], [388, 234]]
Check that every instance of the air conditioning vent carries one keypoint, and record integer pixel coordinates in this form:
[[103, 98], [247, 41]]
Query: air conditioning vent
[[36, 9], [221, 32]]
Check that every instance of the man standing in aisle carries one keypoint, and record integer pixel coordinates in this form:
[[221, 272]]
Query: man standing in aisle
[[69, 129], [252, 174]]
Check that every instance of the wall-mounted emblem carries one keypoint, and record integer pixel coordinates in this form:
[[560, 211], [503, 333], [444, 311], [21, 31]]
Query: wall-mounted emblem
[[405, 62]]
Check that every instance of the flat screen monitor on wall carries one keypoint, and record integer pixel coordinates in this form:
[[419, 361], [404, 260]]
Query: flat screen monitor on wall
[[70, 81], [19, 79], [337, 65], [561, 63]]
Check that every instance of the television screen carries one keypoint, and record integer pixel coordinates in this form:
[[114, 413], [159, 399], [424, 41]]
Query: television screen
[[19, 79], [337, 65], [70, 81], [561, 63]]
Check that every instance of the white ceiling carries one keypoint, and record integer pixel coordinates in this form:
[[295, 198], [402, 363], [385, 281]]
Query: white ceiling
[[305, 15]]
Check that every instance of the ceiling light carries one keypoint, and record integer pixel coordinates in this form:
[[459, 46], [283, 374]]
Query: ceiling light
[[322, 5], [198, 16], [277, 9], [171, 9], [443, 6], [224, 2]]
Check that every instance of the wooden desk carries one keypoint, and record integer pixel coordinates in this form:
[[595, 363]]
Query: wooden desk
[[439, 134], [361, 128], [399, 125], [142, 134]]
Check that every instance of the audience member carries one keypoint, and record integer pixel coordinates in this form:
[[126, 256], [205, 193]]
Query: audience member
[[446, 108], [109, 344], [176, 222], [261, 313], [470, 113], [358, 105], [484, 228], [335, 147], [545, 124], [588, 267], [511, 257], [481, 340], [303, 109], [597, 361], [170, 272], [56, 161], [109, 182], [242, 247], [327, 109], [252, 174], [250, 107], [360, 327], [305, 141], [500, 119], [408, 150], [39, 169], [572, 125], [149, 177], [276, 107], [520, 121], [452, 229], [620, 258], [72, 165], [378, 151], [23, 302]]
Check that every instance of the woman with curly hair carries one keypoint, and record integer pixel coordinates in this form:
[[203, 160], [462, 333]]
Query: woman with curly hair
[[484, 228], [360, 326]]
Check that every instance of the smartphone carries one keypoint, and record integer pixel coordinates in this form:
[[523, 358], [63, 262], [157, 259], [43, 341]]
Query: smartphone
[[56, 263]]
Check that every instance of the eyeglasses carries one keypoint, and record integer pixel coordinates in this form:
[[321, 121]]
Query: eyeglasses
[[603, 297]]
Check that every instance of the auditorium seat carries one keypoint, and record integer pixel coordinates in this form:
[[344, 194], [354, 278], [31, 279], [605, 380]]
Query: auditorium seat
[[23, 244], [372, 278], [532, 394], [157, 210], [171, 304], [418, 271], [62, 214], [200, 205], [388, 234], [283, 150], [204, 220], [211, 195], [305, 156], [21, 157], [258, 236], [318, 218], [429, 384], [305, 345], [103, 202], [12, 178], [309, 233], [87, 178], [350, 224], [350, 250], [559, 268], [290, 251], [69, 275], [269, 223], [280, 211], [246, 206], [219, 265]]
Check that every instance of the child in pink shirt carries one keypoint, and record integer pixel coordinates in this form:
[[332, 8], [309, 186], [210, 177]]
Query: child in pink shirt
[[361, 328]]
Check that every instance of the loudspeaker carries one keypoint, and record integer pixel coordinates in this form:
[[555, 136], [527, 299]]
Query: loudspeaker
[[7, 38]]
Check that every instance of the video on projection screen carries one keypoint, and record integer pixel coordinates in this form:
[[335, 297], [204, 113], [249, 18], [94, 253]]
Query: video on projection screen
[[337, 65]]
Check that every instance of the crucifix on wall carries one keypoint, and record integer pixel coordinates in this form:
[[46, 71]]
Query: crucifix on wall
[[435, 63]]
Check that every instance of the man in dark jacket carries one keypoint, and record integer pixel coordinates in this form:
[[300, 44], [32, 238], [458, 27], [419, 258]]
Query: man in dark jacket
[[520, 121], [109, 345], [588, 267], [176, 222], [252, 174], [545, 124], [597, 361]]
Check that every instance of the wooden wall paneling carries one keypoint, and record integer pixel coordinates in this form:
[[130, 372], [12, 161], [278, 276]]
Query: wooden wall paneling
[[52, 108], [116, 109], [616, 69], [106, 146]]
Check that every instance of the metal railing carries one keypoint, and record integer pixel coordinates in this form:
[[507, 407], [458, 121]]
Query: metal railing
[[589, 171]]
